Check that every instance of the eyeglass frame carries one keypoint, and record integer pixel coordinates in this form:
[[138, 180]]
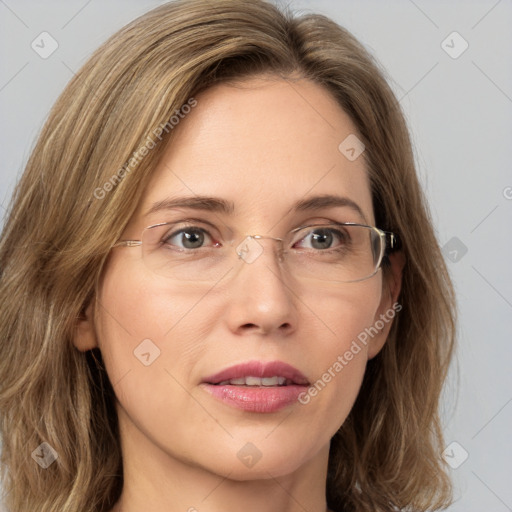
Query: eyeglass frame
[[394, 243]]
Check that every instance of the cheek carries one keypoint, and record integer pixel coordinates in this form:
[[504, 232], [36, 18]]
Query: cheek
[[138, 316], [341, 353], [150, 341], [342, 315]]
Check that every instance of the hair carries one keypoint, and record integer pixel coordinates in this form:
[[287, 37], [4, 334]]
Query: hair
[[60, 229]]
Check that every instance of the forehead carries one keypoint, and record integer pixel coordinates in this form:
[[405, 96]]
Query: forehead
[[262, 144]]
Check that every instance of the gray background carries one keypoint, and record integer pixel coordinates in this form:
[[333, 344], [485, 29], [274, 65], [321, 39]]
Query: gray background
[[459, 112]]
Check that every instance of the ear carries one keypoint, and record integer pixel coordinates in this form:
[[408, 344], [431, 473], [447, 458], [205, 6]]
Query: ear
[[85, 335], [388, 307]]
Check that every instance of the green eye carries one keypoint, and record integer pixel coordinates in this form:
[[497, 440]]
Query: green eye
[[188, 238], [324, 238]]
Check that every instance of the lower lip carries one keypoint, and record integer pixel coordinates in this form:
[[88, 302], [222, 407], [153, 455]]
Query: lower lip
[[256, 399]]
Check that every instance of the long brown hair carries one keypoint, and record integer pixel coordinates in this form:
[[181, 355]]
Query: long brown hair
[[81, 186]]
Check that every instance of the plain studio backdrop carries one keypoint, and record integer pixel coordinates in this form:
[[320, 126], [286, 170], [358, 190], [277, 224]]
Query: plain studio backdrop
[[449, 64]]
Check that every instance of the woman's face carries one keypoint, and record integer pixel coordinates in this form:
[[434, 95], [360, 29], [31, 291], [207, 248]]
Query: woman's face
[[263, 146]]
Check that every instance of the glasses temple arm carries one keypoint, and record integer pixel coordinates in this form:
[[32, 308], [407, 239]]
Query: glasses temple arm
[[128, 243]]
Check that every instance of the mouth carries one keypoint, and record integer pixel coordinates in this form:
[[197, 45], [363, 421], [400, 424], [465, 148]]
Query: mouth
[[257, 386]]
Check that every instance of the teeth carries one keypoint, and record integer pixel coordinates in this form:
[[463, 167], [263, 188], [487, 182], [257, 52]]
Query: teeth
[[237, 382], [255, 381], [273, 381]]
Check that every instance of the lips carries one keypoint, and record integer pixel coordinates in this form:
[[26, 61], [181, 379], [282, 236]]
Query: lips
[[259, 373], [257, 386]]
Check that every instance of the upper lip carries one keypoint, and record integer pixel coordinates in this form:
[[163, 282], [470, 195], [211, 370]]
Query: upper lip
[[259, 369]]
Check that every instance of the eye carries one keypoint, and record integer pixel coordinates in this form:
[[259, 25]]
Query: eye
[[321, 238], [189, 238]]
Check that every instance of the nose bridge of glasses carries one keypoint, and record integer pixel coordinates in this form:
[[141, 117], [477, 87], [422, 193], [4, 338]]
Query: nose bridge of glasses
[[265, 236], [250, 248]]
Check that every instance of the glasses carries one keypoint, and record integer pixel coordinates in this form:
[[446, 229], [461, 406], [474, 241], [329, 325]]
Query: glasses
[[337, 252]]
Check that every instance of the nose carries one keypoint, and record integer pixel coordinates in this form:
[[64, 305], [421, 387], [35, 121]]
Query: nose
[[260, 297]]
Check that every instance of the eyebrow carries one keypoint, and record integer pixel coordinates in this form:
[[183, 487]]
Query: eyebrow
[[218, 205]]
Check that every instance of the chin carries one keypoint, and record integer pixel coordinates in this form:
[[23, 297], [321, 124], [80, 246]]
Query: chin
[[279, 465], [274, 459]]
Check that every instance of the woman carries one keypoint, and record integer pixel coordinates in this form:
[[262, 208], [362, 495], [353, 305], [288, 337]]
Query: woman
[[220, 282]]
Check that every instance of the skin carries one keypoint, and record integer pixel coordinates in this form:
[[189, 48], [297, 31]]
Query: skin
[[263, 144]]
